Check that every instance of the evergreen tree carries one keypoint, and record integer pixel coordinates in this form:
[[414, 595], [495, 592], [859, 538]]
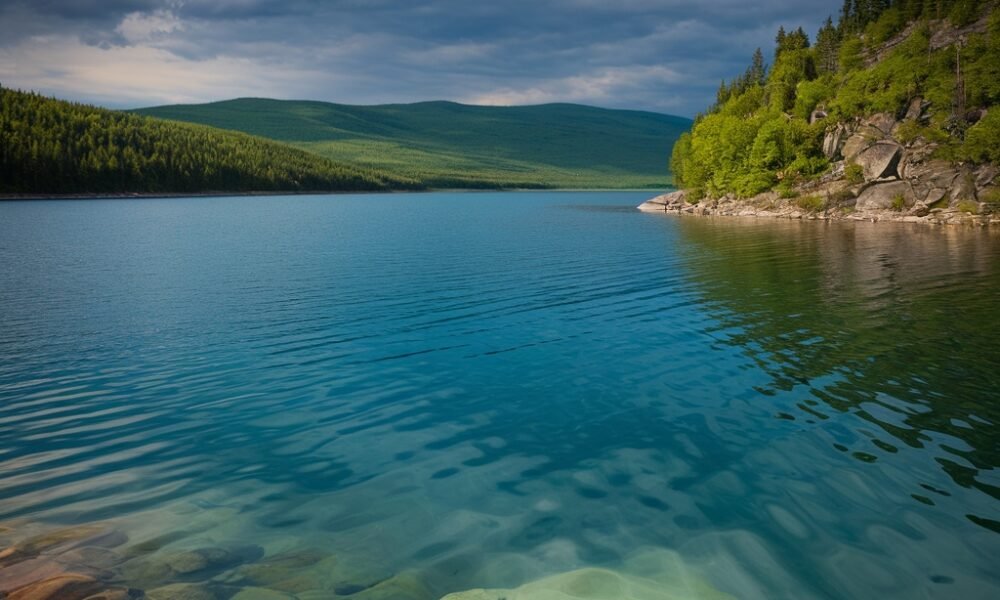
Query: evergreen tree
[[757, 73], [827, 47]]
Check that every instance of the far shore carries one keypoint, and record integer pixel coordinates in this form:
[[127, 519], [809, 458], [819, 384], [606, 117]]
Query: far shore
[[148, 195]]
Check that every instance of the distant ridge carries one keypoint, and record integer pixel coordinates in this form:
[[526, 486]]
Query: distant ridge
[[446, 144], [50, 146]]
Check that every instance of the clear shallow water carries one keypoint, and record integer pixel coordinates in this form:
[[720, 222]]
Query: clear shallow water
[[480, 390]]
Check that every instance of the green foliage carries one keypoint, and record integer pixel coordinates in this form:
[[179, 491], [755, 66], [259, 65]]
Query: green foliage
[[810, 94], [51, 146], [982, 140], [444, 144], [964, 12], [888, 24], [981, 64], [785, 190], [991, 198], [811, 203], [758, 137], [887, 86], [968, 206], [898, 202], [851, 57], [943, 202], [853, 173]]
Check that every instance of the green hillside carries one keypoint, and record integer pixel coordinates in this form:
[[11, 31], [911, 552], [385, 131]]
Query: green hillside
[[933, 66], [445, 144], [49, 146]]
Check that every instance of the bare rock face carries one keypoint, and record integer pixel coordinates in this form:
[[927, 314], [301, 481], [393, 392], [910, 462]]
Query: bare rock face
[[985, 175], [962, 188], [917, 110], [936, 173], [880, 160], [883, 122], [816, 115], [863, 137], [882, 196], [834, 141]]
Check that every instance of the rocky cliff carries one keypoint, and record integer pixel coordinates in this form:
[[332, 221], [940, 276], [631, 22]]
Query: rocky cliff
[[877, 174], [890, 115]]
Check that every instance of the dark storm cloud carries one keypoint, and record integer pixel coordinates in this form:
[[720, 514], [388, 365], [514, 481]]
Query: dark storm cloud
[[658, 55]]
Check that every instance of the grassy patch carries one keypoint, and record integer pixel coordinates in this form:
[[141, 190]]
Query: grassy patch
[[811, 203], [854, 173], [968, 206]]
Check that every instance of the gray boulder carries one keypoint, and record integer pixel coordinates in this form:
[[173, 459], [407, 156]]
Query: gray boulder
[[865, 136], [884, 122], [880, 160], [882, 196], [963, 188], [917, 109]]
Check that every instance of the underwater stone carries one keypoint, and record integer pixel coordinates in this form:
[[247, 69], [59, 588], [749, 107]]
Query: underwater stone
[[180, 591], [651, 575], [63, 587]]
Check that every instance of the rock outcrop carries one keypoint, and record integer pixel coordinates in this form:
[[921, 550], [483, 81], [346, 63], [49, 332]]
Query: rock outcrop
[[900, 180]]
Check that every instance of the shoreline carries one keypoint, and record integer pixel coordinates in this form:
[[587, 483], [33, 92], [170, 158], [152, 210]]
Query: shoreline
[[152, 195], [770, 206]]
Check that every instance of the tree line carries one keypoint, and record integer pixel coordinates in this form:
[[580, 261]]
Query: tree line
[[52, 146]]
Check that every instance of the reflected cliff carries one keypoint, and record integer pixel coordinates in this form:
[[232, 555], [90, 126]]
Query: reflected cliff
[[896, 325]]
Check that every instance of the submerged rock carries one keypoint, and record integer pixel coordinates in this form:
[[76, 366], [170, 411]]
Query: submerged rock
[[652, 575], [256, 593], [181, 591], [404, 586], [63, 587]]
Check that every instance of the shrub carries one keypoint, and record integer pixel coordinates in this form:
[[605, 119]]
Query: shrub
[[786, 191], [942, 203], [968, 206], [811, 203], [854, 173], [898, 202], [841, 197], [982, 140], [809, 94]]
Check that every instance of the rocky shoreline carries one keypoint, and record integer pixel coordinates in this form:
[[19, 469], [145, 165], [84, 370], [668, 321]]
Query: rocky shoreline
[[880, 171]]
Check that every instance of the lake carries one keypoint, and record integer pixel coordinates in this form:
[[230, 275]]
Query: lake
[[409, 395]]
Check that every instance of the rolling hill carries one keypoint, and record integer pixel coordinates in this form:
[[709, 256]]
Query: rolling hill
[[50, 146], [444, 144]]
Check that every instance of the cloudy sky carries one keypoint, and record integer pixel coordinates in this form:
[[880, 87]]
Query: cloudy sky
[[661, 55]]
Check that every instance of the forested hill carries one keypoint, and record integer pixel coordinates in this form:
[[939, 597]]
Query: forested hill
[[445, 144], [893, 106], [49, 146]]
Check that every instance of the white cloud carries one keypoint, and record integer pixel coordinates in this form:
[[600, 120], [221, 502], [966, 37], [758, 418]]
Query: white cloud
[[138, 28], [142, 75], [606, 84]]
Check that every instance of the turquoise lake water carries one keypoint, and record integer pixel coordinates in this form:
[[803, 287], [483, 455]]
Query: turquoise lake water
[[457, 391]]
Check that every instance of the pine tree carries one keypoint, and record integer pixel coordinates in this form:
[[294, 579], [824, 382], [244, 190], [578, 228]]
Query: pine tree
[[757, 73], [827, 47]]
